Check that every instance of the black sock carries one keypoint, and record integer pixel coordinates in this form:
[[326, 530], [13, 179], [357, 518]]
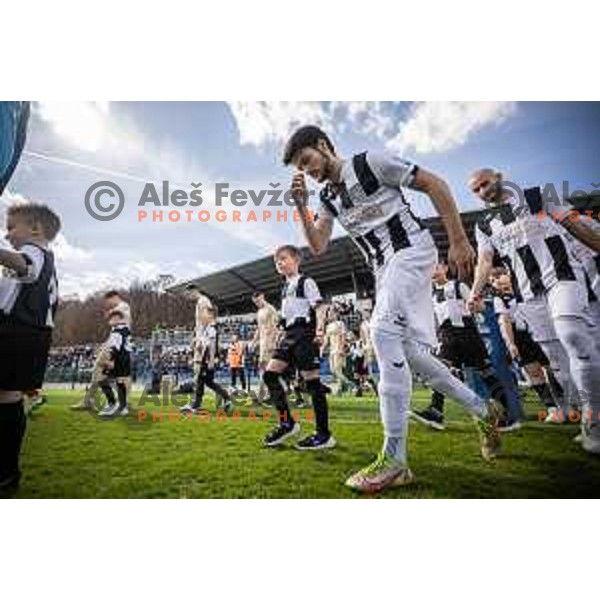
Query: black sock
[[437, 401], [373, 385], [545, 394], [12, 430], [109, 393], [319, 402], [122, 394], [198, 391], [221, 391], [278, 397]]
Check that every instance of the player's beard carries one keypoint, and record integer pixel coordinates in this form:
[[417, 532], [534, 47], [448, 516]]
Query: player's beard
[[326, 169]]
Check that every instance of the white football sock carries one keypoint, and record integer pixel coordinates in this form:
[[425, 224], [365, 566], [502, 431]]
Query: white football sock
[[395, 387], [439, 377], [575, 336]]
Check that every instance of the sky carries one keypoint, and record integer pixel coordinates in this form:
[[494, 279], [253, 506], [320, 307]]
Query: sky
[[72, 145]]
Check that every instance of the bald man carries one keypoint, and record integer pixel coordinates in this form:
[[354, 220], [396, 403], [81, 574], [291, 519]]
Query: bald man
[[547, 278]]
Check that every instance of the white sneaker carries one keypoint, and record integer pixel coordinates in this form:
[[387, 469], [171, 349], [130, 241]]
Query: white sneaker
[[383, 473], [82, 405], [555, 416], [508, 426], [188, 408], [591, 439], [122, 412], [109, 410]]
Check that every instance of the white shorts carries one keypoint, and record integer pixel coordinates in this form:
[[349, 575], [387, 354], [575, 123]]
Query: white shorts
[[568, 299], [403, 302], [536, 315], [565, 298]]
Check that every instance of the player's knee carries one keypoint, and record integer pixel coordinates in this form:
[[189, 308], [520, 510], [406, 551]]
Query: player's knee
[[394, 371], [316, 386], [430, 368], [379, 337], [395, 383], [385, 343], [271, 379], [574, 336]]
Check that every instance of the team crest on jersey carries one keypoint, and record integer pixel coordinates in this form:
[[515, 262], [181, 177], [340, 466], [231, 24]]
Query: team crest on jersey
[[355, 216], [517, 232]]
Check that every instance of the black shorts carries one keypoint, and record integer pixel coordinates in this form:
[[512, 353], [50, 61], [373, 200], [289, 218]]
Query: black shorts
[[529, 350], [122, 365], [360, 366], [23, 356], [463, 347], [298, 349]]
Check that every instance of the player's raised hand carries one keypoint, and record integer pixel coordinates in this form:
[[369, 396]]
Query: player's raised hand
[[461, 259], [299, 190]]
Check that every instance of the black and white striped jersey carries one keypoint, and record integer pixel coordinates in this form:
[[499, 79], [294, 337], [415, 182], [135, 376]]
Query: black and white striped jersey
[[32, 298], [207, 344], [591, 269], [531, 245], [589, 260], [299, 297], [371, 207], [119, 345], [507, 304], [119, 339], [449, 304]]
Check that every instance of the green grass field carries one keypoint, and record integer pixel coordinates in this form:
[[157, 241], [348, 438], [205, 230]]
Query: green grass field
[[74, 455]]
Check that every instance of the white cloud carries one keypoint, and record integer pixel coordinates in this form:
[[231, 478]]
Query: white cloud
[[68, 254], [9, 198], [366, 117], [263, 122], [206, 266], [429, 126], [442, 126], [84, 124], [82, 283], [260, 123]]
